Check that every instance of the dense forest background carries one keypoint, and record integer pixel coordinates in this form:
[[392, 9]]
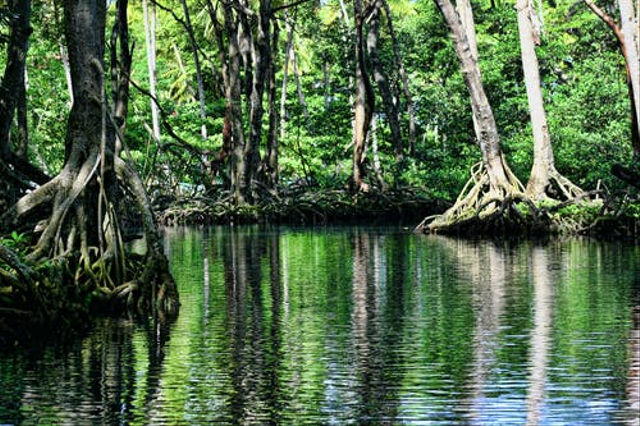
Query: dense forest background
[[114, 117], [295, 70]]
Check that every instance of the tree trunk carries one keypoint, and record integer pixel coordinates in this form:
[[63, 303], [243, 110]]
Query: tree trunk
[[635, 112], [271, 160], [543, 161], [79, 207], [260, 63], [64, 54], [150, 43], [364, 103], [492, 187], [486, 129], [543, 171], [196, 60], [403, 77], [289, 26], [233, 95], [22, 142], [301, 98], [629, 24], [380, 76], [12, 84], [121, 59]]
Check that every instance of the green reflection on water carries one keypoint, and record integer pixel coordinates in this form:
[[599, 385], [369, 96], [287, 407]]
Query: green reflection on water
[[353, 326]]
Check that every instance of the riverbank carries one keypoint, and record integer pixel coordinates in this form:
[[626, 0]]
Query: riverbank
[[407, 206], [607, 216]]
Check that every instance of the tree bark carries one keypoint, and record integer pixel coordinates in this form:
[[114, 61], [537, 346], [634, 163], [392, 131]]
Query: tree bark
[[149, 13], [121, 59], [543, 160], [196, 60], [403, 77], [486, 129], [260, 63], [380, 76], [629, 23], [289, 27], [22, 140], [234, 100], [271, 157], [13, 81], [364, 103], [80, 205], [635, 108], [301, 98]]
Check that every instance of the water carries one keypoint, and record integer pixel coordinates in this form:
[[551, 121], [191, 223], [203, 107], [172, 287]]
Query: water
[[356, 326]]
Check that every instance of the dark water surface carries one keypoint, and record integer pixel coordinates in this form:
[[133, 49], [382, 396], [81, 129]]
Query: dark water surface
[[338, 326]]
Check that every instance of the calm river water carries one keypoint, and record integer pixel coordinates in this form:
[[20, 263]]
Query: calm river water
[[339, 326]]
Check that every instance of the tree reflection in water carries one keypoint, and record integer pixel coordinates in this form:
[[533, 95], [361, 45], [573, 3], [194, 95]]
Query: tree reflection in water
[[356, 326]]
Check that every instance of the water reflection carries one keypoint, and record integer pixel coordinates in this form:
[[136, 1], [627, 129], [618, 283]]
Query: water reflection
[[356, 326], [540, 335]]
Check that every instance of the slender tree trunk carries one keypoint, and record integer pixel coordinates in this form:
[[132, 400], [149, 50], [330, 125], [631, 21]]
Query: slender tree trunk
[[233, 95], [121, 59], [288, 54], [150, 20], [486, 129], [221, 163], [12, 85], [22, 141], [635, 112], [196, 60], [364, 103], [380, 76], [64, 54], [301, 98], [325, 79], [630, 26], [543, 161], [403, 77], [271, 161]]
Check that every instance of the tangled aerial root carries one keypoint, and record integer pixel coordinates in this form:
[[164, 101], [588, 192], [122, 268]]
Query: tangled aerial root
[[479, 207], [482, 210]]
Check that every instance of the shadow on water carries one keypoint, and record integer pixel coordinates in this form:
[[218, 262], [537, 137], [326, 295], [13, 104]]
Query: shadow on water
[[356, 326], [85, 381]]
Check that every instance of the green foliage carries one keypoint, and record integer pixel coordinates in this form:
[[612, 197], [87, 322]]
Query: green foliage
[[583, 83], [14, 240]]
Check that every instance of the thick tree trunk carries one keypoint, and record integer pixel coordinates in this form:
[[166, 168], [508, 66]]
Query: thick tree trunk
[[79, 208], [260, 63]]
